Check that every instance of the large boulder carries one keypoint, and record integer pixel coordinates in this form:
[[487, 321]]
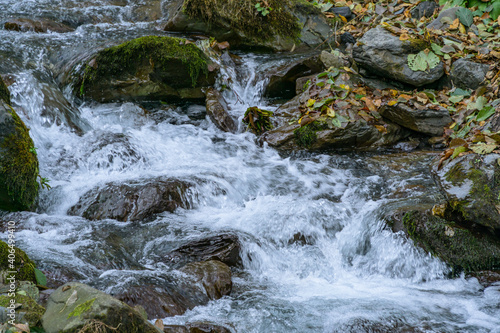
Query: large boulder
[[36, 25], [466, 74], [18, 162], [217, 110], [133, 200], [76, 307], [471, 186], [146, 68], [426, 121], [460, 248], [384, 54], [288, 23], [224, 248]]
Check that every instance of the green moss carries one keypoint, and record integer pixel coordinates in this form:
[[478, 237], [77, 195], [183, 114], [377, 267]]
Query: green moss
[[306, 136], [244, 17], [4, 92], [18, 168], [415, 45], [159, 51], [82, 308], [33, 311], [461, 248], [23, 265]]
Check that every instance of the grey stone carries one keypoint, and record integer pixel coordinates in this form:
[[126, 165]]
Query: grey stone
[[36, 25], [428, 121], [214, 275], [424, 9], [441, 22], [217, 110], [466, 74], [384, 54], [344, 11], [75, 306]]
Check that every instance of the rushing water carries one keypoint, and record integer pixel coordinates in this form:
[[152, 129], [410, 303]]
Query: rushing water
[[316, 254]]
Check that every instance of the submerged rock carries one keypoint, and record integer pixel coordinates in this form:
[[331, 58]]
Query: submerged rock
[[134, 200], [427, 121], [36, 25], [288, 24], [76, 307], [461, 248], [214, 275], [18, 162], [466, 74], [224, 248], [471, 186], [384, 54], [146, 68], [217, 110], [196, 327]]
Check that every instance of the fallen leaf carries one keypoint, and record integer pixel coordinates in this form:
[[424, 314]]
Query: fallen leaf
[[393, 102], [369, 104], [454, 25], [159, 324], [381, 128]]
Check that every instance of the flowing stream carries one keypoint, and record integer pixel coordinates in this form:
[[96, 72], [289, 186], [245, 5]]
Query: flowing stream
[[317, 256]]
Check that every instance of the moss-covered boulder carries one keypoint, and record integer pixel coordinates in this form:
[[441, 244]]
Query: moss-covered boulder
[[23, 265], [4, 92], [146, 68], [279, 25], [27, 311], [18, 162], [76, 307], [462, 249], [471, 185]]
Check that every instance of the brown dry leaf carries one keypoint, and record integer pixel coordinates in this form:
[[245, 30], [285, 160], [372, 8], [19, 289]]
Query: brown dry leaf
[[365, 116], [159, 324], [455, 24], [381, 128], [405, 96], [22, 327], [369, 104], [457, 143], [377, 102], [360, 91], [446, 155], [404, 36], [422, 98]]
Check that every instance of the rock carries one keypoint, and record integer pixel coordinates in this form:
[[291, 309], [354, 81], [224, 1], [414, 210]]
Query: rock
[[471, 186], [487, 278], [146, 68], [76, 307], [28, 310], [347, 38], [214, 275], [466, 74], [18, 162], [160, 301], [134, 200], [146, 11], [289, 25], [224, 248], [424, 9], [460, 248], [217, 110], [445, 18], [334, 59], [427, 121], [24, 266], [383, 54], [30, 289], [36, 25], [282, 80], [344, 11], [4, 92], [196, 327]]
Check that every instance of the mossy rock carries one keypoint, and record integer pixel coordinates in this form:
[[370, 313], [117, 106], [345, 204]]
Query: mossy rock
[[462, 249], [29, 311], [4, 92], [146, 68], [471, 185], [76, 307], [18, 163], [23, 265]]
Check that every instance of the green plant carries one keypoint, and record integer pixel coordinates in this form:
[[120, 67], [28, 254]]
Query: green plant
[[263, 8], [44, 182], [33, 150], [483, 6], [258, 121]]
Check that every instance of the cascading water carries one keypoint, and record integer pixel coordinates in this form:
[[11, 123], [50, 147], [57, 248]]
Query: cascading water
[[316, 254]]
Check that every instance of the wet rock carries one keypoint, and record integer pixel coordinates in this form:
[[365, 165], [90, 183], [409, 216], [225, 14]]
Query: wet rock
[[18, 162], [461, 248], [147, 11], [134, 200], [36, 25], [335, 59], [427, 121], [445, 18], [424, 9], [196, 327], [471, 186], [347, 38], [224, 248], [217, 110], [361, 325], [466, 74], [4, 92], [299, 26], [344, 11], [487, 278], [146, 68], [27, 310], [214, 275], [76, 307], [384, 54]]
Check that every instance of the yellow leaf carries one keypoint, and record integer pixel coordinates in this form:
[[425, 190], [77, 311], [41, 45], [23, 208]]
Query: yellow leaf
[[405, 96], [343, 19], [311, 102], [394, 92], [452, 126], [455, 24], [404, 36], [300, 120], [381, 129], [461, 28], [330, 112], [393, 102]]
